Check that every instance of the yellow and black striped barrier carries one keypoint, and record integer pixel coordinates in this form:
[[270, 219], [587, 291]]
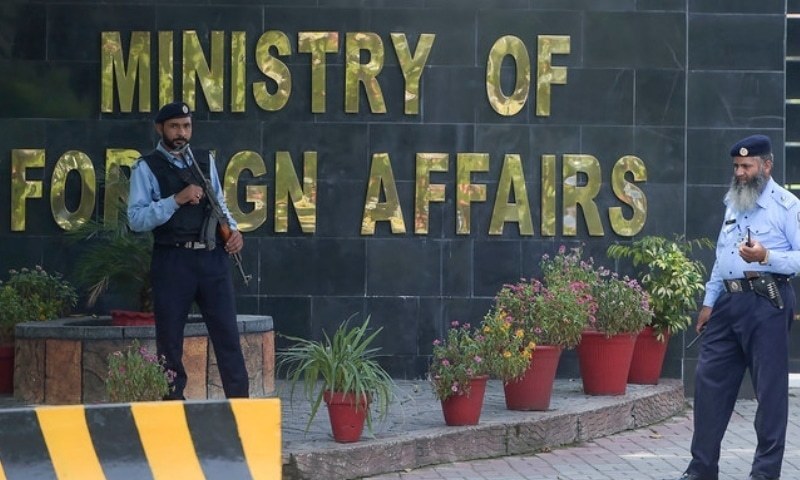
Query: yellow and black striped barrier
[[232, 439]]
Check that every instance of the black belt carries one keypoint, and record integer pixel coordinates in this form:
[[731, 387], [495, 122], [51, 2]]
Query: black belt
[[739, 285]]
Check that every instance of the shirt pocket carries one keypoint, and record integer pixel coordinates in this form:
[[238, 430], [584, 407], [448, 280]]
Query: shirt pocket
[[731, 234]]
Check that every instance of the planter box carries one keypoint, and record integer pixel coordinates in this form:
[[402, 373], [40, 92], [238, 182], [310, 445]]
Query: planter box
[[64, 361]]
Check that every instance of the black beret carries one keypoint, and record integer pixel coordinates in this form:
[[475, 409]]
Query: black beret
[[752, 146], [173, 110]]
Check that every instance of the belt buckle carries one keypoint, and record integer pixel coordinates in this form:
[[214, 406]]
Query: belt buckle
[[735, 286]]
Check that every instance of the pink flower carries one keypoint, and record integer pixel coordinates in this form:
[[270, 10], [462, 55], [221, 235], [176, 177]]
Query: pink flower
[[446, 362], [437, 342]]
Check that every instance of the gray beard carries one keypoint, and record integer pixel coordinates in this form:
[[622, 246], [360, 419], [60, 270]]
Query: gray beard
[[743, 197]]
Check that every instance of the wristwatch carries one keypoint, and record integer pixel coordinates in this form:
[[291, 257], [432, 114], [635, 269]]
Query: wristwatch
[[766, 258]]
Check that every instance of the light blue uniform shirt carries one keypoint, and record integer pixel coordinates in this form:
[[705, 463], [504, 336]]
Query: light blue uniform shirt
[[147, 210], [775, 223]]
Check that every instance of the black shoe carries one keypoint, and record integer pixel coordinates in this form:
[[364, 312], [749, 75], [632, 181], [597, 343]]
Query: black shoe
[[758, 476], [693, 476], [172, 396]]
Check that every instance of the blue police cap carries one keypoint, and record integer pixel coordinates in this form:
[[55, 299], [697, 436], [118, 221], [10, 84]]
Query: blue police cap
[[173, 110], [752, 146]]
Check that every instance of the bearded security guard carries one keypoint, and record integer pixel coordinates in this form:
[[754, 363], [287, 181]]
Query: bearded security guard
[[746, 314], [166, 197]]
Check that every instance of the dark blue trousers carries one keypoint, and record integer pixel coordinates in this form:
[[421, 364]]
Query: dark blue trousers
[[179, 277], [745, 332]]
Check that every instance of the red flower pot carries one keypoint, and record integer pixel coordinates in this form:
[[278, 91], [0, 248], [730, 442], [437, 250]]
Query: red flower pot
[[648, 358], [465, 409], [532, 390], [605, 362], [7, 369], [346, 415], [126, 318]]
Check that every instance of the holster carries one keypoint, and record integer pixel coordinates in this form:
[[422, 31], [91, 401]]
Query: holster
[[766, 286]]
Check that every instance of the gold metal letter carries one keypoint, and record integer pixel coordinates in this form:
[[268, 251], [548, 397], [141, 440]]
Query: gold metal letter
[[273, 69], [117, 187], [356, 73], [21, 187], [381, 179], [287, 185], [81, 163], [502, 104], [546, 73], [467, 192], [511, 178], [166, 72], [196, 68], [426, 191], [412, 66], [630, 194], [112, 62], [238, 70], [583, 195], [318, 44], [548, 223], [256, 195]]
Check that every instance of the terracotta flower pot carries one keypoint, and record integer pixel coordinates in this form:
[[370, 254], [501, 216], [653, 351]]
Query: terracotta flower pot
[[648, 358], [465, 409], [605, 362], [127, 318], [346, 415], [532, 390]]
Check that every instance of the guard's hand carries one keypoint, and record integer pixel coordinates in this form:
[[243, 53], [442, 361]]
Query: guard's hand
[[235, 243], [702, 319], [191, 195], [754, 253]]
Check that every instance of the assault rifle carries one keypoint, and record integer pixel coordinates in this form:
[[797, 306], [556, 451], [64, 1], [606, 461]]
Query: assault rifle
[[216, 211]]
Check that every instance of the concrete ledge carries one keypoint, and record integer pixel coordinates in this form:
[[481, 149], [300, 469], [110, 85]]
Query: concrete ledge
[[224, 439], [415, 435]]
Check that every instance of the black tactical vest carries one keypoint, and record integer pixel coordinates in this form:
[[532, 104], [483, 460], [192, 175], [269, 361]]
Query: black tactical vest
[[185, 224]]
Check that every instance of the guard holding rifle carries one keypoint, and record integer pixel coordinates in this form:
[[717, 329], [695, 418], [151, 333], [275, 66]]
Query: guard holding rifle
[[175, 192], [747, 312]]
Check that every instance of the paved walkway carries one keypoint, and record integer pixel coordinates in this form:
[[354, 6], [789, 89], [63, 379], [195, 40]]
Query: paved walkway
[[652, 453]]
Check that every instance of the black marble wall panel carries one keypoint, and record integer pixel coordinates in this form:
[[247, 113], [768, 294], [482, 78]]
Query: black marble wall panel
[[670, 81]]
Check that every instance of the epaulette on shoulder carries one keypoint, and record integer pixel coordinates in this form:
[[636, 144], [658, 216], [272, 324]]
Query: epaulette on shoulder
[[136, 163], [785, 198]]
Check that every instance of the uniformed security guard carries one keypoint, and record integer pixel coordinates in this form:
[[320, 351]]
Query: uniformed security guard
[[167, 197], [746, 314]]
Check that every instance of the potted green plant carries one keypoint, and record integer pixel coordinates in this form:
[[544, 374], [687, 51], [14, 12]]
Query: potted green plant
[[458, 374], [550, 319], [136, 375], [29, 295], [674, 280], [606, 347], [115, 256], [351, 377]]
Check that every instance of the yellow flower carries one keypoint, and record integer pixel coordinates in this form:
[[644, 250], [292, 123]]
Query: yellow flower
[[506, 354], [519, 333], [487, 329], [532, 346]]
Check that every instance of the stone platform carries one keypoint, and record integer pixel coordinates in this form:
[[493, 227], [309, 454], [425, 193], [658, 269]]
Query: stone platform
[[414, 434]]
